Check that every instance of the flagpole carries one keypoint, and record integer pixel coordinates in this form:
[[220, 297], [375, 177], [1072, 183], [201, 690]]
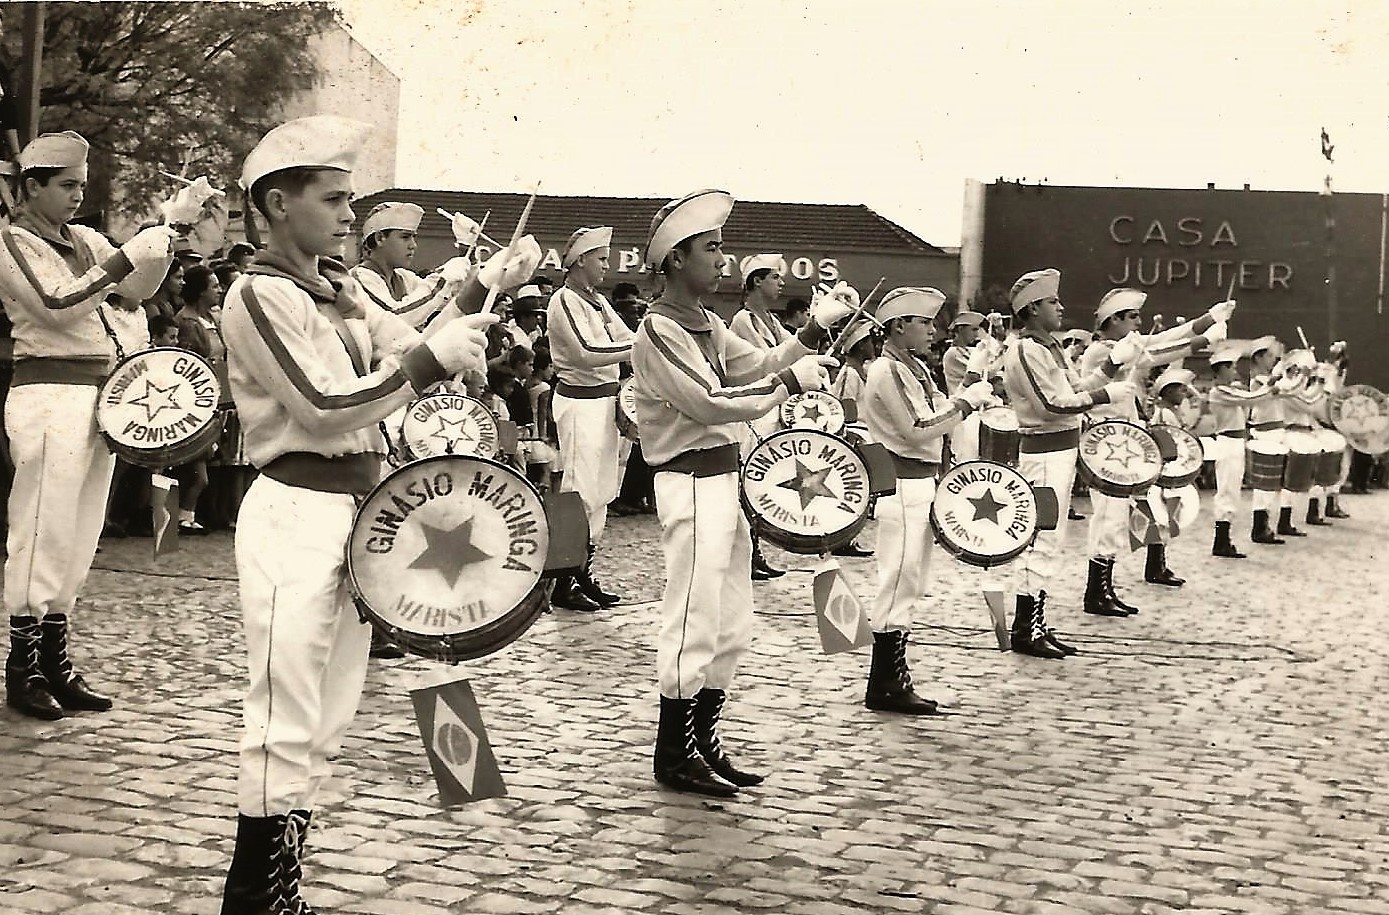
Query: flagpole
[[1328, 193]]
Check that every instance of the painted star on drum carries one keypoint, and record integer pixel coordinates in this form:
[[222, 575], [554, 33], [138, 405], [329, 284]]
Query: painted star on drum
[[1122, 451], [451, 431], [987, 507], [448, 551], [808, 484], [147, 399]]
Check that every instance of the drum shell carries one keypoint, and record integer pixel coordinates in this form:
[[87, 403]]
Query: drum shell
[[797, 541], [626, 423], [999, 438], [1264, 465], [1182, 442], [1114, 488], [1303, 451], [1329, 461], [171, 454], [959, 550]]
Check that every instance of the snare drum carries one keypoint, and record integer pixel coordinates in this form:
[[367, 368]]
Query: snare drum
[[1264, 468], [808, 490], [158, 408], [448, 423], [1183, 468], [446, 557], [999, 439], [818, 410], [1333, 452], [1119, 458], [1303, 451], [984, 513], [625, 411]]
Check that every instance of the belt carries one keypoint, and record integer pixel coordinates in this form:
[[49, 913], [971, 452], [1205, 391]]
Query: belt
[[1045, 442], [1234, 433], [914, 468], [58, 370], [1299, 427], [350, 474], [703, 462], [1268, 426], [586, 391]]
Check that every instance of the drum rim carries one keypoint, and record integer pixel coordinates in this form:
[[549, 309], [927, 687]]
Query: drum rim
[[521, 616], [801, 544], [787, 405], [1177, 481], [410, 452], [1107, 487], [125, 451], [966, 556]]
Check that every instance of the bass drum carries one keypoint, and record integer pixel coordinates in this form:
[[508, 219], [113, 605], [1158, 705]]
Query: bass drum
[[984, 514], [625, 411], [817, 410], [158, 407], [806, 490], [448, 423], [1119, 458], [446, 557], [1185, 466]]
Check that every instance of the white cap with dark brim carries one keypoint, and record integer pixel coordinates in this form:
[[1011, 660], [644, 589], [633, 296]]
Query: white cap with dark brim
[[967, 319], [691, 215], [1174, 375], [910, 302], [754, 262], [583, 241], [1117, 300], [319, 141], [1034, 286], [54, 150], [384, 216]]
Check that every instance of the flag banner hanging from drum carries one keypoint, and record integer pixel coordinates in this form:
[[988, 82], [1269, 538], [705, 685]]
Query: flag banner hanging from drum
[[455, 741], [842, 621], [1144, 528], [164, 509]]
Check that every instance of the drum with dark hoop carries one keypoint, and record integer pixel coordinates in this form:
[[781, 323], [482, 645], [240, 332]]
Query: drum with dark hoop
[[447, 423], [1333, 453], [1119, 458], [807, 490], [984, 513], [818, 410], [1263, 468], [999, 439], [625, 411], [1303, 451], [446, 557], [1361, 413], [1183, 468], [158, 407]]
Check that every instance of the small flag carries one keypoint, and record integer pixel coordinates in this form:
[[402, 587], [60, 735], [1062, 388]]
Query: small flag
[[164, 509], [1174, 505], [1144, 529], [1326, 148], [456, 743], [999, 614], [842, 621]]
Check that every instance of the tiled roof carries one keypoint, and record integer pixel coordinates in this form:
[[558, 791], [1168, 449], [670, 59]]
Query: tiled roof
[[814, 226]]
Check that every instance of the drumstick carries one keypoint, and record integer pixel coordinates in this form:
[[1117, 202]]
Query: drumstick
[[1303, 337], [862, 303], [493, 292], [480, 234]]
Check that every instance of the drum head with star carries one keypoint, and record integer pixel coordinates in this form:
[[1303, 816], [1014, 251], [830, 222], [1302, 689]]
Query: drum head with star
[[1119, 458], [984, 513], [445, 548], [156, 400], [809, 490], [450, 424]]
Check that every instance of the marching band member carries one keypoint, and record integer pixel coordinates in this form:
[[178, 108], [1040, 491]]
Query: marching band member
[[1230, 402], [764, 277], [389, 240], [908, 415], [962, 365], [54, 275], [1049, 398], [697, 384], [859, 348], [1266, 422], [588, 340], [1170, 391], [1300, 408], [1118, 317], [314, 366], [955, 362], [1333, 375]]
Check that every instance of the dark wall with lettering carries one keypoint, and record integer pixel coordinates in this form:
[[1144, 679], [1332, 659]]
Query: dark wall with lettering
[[1185, 248]]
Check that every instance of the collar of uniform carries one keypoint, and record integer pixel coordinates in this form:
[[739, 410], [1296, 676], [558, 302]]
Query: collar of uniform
[[328, 286], [589, 296], [695, 320], [385, 273], [1045, 339], [908, 359], [53, 234]]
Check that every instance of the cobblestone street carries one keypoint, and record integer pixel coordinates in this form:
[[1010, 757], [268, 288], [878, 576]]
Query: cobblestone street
[[1221, 752]]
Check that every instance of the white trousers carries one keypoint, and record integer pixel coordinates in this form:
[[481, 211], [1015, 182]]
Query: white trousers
[[706, 611], [62, 472], [307, 650], [1057, 470], [964, 440], [904, 551], [1228, 454], [1188, 508], [588, 444], [1108, 533]]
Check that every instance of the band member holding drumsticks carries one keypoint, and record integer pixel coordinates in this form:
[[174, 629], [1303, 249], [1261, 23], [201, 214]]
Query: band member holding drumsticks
[[909, 416], [388, 248], [1170, 390], [315, 365], [1049, 398], [697, 385], [588, 341], [1300, 407], [53, 277], [1118, 318], [1267, 423], [764, 277], [1230, 403]]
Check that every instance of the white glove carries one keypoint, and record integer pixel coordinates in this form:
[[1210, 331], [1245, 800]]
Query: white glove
[[461, 344], [511, 266], [465, 231], [1287, 384], [150, 246], [1280, 368], [1217, 333], [829, 308], [1127, 349], [186, 206], [977, 395], [457, 270], [812, 372], [1221, 311], [1121, 391], [981, 357]]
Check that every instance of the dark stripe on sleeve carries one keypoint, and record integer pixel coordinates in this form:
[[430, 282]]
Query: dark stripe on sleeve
[[1037, 389], [668, 353], [116, 268], [583, 341]]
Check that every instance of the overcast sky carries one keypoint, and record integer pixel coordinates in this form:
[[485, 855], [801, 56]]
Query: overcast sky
[[890, 103]]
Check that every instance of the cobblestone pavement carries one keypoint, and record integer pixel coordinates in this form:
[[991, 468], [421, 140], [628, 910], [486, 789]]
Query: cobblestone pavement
[[1220, 752]]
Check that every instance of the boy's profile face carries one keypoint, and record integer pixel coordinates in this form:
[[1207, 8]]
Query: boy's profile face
[[316, 220], [169, 337]]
